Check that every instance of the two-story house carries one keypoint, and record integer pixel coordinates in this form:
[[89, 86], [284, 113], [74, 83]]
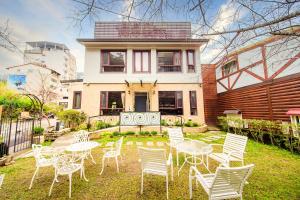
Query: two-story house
[[143, 66]]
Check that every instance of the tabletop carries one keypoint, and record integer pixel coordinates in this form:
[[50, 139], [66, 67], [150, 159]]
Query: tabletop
[[194, 147], [82, 146]]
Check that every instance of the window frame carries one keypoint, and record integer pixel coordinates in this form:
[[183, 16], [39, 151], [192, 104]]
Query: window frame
[[106, 105], [193, 107], [176, 103], [187, 61], [149, 61], [173, 51], [74, 99], [108, 65]]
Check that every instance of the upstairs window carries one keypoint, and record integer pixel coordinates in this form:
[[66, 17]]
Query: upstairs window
[[77, 100], [112, 103], [170, 102], [169, 61], [230, 68], [141, 61], [193, 102], [113, 61], [191, 60]]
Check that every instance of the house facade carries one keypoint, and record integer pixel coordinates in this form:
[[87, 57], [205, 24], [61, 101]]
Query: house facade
[[142, 67], [261, 80]]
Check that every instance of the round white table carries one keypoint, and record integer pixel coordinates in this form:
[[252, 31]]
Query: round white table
[[83, 146], [194, 151]]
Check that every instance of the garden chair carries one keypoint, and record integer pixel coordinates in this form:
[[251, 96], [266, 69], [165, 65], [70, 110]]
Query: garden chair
[[40, 161], [81, 136], [66, 165], [154, 162], [176, 137], [233, 150], [226, 183], [113, 152]]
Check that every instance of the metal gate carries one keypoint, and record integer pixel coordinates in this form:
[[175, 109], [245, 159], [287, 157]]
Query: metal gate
[[17, 134]]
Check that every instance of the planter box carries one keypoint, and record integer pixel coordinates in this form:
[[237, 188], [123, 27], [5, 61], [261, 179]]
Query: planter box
[[38, 139]]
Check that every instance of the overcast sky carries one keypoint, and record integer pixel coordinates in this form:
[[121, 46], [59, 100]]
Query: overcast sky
[[51, 20]]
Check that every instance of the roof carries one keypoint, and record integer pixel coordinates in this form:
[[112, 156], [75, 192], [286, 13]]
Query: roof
[[85, 40], [46, 44], [294, 111], [35, 64]]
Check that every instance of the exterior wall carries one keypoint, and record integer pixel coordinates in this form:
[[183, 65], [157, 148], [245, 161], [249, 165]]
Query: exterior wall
[[91, 97], [68, 90], [93, 75], [59, 60]]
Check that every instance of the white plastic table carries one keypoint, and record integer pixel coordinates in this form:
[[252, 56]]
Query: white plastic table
[[194, 151], [82, 147]]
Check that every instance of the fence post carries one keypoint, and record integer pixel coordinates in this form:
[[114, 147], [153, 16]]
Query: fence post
[[16, 132]]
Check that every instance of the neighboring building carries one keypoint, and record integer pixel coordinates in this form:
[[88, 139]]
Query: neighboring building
[[55, 55], [71, 94], [36, 79], [261, 80], [137, 66]]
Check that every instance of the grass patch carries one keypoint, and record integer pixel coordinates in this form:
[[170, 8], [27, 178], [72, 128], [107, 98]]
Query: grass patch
[[276, 176]]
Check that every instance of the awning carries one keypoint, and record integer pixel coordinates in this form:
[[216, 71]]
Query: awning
[[294, 111], [232, 112]]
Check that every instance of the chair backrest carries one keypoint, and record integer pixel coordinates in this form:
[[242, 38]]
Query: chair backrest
[[175, 136], [153, 158], [37, 152], [230, 180], [119, 146], [235, 144], [63, 162], [81, 136]]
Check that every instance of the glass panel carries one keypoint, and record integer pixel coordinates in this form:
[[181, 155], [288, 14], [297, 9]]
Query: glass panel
[[190, 58], [165, 58], [168, 101], [179, 99], [177, 60], [103, 99], [138, 61], [115, 100], [105, 58], [77, 100], [117, 58], [230, 67], [145, 61]]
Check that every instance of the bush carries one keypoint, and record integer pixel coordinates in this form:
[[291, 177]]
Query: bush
[[153, 133], [38, 130], [165, 133], [72, 118], [101, 125], [116, 133], [52, 108], [130, 133], [163, 122], [177, 123], [195, 124], [190, 123]]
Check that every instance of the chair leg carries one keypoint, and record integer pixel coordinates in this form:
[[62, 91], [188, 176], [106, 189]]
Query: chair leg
[[142, 183], [32, 179], [117, 164], [167, 186], [103, 160], [70, 185], [172, 171], [177, 157], [191, 186], [90, 154], [82, 171], [54, 180]]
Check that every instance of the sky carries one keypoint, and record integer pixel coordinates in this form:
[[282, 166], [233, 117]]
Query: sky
[[52, 20]]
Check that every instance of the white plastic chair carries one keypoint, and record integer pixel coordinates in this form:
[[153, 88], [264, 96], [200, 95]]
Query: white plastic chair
[[233, 150], [113, 152], [226, 183], [176, 137], [81, 136], [67, 164], [154, 162], [40, 161]]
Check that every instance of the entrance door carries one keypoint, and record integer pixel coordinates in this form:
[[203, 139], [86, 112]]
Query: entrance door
[[141, 101]]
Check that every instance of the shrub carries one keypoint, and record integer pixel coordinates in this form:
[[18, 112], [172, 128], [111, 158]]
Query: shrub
[[153, 133], [195, 124], [177, 123], [72, 118], [38, 130], [163, 122], [116, 133], [52, 108], [130, 133], [165, 133], [101, 125]]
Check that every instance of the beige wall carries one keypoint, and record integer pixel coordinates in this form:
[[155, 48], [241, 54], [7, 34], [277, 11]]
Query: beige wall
[[91, 97]]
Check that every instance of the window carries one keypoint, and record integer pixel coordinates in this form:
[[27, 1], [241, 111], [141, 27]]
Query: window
[[141, 61], [169, 61], [112, 103], [65, 97], [191, 60], [193, 102], [170, 102], [113, 61], [77, 100], [230, 67], [63, 104]]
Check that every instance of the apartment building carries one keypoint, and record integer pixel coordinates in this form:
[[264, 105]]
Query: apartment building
[[142, 67], [55, 55], [261, 80]]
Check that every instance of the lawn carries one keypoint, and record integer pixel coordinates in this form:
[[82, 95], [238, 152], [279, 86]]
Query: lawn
[[276, 176]]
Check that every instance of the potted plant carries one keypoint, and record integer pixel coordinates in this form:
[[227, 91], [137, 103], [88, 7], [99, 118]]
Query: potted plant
[[38, 135]]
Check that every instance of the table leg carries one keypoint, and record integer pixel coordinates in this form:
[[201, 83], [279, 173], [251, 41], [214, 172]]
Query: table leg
[[90, 154]]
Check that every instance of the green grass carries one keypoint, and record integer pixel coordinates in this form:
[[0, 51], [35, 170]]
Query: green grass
[[276, 176]]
